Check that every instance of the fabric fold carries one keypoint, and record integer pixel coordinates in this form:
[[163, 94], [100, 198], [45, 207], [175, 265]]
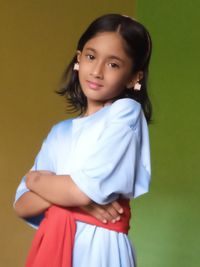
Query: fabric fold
[[53, 243]]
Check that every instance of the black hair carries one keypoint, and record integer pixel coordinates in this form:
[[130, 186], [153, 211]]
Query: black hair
[[139, 47]]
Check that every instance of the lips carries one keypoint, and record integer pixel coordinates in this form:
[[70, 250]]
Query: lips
[[94, 85]]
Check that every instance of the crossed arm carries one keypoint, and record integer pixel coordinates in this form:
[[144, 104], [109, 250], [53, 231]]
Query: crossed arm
[[46, 189]]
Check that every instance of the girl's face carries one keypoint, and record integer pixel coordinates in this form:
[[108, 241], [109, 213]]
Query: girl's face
[[104, 68]]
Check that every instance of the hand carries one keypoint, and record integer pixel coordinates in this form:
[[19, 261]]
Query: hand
[[34, 175], [105, 213]]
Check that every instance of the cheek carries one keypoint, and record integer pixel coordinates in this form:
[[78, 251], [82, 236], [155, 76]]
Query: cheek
[[117, 81], [81, 73], [83, 70]]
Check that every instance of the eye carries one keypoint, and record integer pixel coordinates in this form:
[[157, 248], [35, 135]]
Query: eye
[[90, 57], [113, 65]]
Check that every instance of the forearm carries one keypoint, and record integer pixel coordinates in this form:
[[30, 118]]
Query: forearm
[[57, 189], [30, 204]]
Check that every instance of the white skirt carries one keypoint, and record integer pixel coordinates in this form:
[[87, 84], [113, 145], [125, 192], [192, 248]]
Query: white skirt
[[98, 247]]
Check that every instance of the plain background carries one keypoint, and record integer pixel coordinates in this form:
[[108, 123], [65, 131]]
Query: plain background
[[167, 221], [38, 38]]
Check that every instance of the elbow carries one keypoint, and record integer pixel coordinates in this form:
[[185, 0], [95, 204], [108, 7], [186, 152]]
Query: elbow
[[20, 206], [18, 210], [32, 179]]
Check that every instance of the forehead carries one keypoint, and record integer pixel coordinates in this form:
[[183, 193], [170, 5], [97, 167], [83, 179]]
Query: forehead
[[108, 43]]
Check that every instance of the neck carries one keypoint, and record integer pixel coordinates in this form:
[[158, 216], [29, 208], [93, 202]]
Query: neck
[[91, 110], [94, 107]]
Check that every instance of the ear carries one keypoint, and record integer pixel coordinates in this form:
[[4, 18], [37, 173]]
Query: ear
[[78, 53], [136, 78]]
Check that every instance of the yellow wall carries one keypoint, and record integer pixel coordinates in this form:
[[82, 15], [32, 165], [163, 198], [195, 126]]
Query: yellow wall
[[37, 41]]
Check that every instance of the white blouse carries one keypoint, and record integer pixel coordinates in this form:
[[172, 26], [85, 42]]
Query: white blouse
[[107, 155]]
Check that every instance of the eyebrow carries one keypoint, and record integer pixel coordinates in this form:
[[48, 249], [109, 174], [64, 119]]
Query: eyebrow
[[110, 56]]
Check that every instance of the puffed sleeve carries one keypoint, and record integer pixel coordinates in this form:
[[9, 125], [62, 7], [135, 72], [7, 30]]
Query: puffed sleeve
[[112, 167], [43, 161]]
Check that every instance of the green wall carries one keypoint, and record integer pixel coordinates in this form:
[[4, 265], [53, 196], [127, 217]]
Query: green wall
[[167, 221]]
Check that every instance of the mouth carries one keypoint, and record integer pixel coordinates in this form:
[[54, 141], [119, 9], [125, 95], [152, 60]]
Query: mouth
[[94, 85]]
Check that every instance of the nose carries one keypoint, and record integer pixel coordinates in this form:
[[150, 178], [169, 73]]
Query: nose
[[97, 70]]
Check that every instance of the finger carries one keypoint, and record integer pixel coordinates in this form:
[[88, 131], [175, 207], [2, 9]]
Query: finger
[[103, 212], [107, 212], [96, 212], [117, 207], [113, 213]]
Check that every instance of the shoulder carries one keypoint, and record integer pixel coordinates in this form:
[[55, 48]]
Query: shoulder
[[59, 129], [126, 110], [61, 126]]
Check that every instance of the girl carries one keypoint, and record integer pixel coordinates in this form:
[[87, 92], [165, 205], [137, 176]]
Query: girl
[[90, 166]]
